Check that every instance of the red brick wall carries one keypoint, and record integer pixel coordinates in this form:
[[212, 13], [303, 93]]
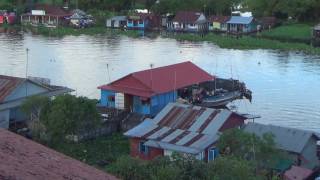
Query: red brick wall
[[233, 122], [134, 150]]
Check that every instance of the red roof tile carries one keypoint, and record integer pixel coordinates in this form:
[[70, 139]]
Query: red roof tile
[[220, 19], [7, 85], [187, 16], [27, 160], [52, 10], [164, 79]]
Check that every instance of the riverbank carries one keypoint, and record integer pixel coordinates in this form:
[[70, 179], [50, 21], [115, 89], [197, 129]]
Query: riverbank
[[64, 31], [247, 42]]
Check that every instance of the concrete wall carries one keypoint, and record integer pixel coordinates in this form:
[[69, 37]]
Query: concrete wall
[[4, 119], [20, 92], [309, 153], [134, 150]]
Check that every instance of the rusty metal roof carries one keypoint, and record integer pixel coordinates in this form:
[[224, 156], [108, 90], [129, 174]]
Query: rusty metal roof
[[7, 85], [24, 159], [183, 128]]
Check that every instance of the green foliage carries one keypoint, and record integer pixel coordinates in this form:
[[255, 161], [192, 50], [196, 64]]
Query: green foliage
[[247, 42], [69, 115], [182, 167], [93, 152], [64, 115], [300, 10], [231, 168], [291, 32]]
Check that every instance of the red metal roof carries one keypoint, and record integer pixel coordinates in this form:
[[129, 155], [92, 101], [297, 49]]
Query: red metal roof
[[159, 80], [7, 85], [24, 159], [52, 10], [220, 19], [297, 173], [187, 16]]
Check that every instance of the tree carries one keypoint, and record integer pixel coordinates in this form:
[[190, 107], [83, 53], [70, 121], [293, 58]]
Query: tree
[[231, 167], [261, 152], [64, 115]]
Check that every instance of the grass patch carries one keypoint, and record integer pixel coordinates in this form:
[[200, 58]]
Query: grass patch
[[290, 32], [93, 152], [248, 42]]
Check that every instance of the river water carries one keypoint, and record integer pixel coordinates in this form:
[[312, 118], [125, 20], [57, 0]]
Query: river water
[[286, 86]]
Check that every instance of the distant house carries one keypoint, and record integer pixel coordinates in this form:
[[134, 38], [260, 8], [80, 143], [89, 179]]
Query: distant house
[[147, 92], [80, 19], [268, 22], [7, 18], [144, 21], [301, 144], [183, 129], [188, 21], [218, 23], [239, 24], [117, 22], [14, 90], [24, 159], [46, 15]]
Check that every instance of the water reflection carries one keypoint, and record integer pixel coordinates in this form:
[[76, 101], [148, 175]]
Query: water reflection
[[285, 85]]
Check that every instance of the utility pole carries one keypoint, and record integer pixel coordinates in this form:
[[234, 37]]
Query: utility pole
[[27, 68]]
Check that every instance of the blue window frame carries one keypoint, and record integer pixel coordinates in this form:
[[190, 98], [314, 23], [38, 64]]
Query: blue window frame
[[212, 154], [143, 149]]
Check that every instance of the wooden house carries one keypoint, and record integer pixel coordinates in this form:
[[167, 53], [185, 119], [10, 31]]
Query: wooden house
[[46, 15], [239, 24], [183, 129], [22, 158], [218, 23], [301, 145], [7, 18], [144, 21], [14, 90], [267, 22], [188, 21], [117, 22], [147, 92]]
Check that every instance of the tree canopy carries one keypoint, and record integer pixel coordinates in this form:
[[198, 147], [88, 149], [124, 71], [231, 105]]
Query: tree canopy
[[64, 115]]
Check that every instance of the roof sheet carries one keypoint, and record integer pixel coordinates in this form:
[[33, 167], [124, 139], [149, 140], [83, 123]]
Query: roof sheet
[[297, 173], [52, 10], [289, 139], [220, 19], [240, 20], [181, 127], [317, 27], [24, 159], [187, 17], [159, 80], [7, 85]]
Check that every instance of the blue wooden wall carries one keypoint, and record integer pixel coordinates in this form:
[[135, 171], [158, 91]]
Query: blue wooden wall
[[104, 101], [156, 104]]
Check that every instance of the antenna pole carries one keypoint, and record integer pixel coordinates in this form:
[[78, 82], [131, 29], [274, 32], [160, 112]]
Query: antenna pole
[[27, 68]]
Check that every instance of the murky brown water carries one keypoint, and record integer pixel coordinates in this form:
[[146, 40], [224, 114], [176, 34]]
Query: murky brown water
[[286, 86]]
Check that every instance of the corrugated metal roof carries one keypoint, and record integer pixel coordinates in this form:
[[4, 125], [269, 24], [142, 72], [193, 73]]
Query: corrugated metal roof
[[180, 126], [317, 27], [240, 20], [160, 80], [296, 173], [7, 85], [288, 139]]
